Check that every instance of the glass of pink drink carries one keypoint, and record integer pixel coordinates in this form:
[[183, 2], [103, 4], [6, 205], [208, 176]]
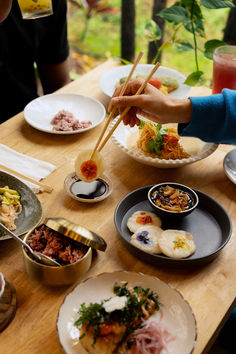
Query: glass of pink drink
[[224, 68]]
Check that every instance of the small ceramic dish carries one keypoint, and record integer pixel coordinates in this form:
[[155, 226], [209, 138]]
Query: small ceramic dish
[[88, 192], [172, 199], [70, 235]]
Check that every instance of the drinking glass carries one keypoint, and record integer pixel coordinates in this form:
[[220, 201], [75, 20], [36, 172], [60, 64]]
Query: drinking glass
[[31, 9], [224, 68]]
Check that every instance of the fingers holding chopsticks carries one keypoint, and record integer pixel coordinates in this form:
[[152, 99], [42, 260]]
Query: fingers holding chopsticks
[[130, 100], [151, 103], [122, 115]]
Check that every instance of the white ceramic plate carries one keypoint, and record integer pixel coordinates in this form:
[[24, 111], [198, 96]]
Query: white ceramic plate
[[39, 112], [176, 314], [109, 80], [230, 165], [126, 137]]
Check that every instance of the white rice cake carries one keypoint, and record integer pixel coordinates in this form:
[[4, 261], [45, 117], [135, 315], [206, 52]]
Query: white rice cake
[[141, 218], [146, 238], [177, 243]]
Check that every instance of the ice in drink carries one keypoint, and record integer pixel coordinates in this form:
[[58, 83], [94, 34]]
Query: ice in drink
[[224, 69], [31, 9]]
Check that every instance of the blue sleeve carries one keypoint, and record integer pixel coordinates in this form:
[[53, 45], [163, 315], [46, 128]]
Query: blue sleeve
[[213, 118]]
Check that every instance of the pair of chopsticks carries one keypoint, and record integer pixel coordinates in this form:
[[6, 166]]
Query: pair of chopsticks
[[43, 187], [99, 148]]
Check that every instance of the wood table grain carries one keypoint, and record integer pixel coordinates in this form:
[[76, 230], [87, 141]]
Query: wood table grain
[[209, 289]]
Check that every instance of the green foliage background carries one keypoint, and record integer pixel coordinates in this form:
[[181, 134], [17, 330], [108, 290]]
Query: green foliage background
[[102, 40]]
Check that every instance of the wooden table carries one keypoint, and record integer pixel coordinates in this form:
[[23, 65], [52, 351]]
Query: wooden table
[[209, 289]]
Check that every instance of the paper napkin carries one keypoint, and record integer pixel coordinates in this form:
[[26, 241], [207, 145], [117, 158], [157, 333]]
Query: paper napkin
[[25, 165]]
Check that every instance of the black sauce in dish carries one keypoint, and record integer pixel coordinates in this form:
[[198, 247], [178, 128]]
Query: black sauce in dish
[[89, 190]]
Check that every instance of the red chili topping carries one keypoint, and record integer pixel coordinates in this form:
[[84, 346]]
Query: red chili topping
[[171, 139], [155, 82], [89, 169], [143, 220]]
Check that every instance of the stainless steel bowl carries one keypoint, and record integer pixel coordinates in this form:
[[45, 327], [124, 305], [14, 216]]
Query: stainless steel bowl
[[56, 276]]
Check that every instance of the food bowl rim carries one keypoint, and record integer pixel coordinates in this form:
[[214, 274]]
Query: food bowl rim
[[170, 211], [3, 283]]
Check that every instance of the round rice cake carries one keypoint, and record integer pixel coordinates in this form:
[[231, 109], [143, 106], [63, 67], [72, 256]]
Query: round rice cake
[[147, 238], [141, 218], [177, 243]]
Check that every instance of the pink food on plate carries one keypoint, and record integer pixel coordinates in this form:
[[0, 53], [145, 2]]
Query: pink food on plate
[[66, 121]]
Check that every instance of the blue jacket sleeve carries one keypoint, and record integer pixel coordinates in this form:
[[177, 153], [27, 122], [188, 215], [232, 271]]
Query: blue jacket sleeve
[[213, 118]]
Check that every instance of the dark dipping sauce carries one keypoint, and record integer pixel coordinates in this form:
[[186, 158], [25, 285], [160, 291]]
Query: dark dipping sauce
[[89, 190], [172, 199]]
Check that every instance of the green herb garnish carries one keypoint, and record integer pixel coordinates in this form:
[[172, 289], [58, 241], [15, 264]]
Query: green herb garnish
[[142, 123], [155, 146], [92, 315], [131, 316]]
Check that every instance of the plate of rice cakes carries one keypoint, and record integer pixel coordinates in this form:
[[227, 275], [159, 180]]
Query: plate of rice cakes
[[143, 144], [193, 240]]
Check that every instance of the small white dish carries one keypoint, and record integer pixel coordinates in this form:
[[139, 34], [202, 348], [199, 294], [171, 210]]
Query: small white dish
[[175, 313], [40, 112], [126, 137], [97, 192], [109, 80], [229, 165]]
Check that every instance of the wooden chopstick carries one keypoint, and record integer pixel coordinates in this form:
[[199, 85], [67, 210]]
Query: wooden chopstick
[[137, 60], [42, 186], [141, 88]]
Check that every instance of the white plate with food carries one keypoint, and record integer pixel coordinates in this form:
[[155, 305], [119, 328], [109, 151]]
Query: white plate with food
[[111, 79], [170, 318], [229, 165], [187, 150], [20, 209], [64, 113]]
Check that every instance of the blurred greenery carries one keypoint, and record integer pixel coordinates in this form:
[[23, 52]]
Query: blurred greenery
[[102, 39]]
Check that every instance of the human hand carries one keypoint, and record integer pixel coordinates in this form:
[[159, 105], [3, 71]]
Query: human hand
[[151, 104]]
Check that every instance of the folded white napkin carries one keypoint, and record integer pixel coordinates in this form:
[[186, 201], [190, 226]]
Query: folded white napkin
[[25, 165]]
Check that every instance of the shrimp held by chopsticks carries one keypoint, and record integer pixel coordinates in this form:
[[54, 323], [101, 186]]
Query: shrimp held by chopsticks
[[88, 169]]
